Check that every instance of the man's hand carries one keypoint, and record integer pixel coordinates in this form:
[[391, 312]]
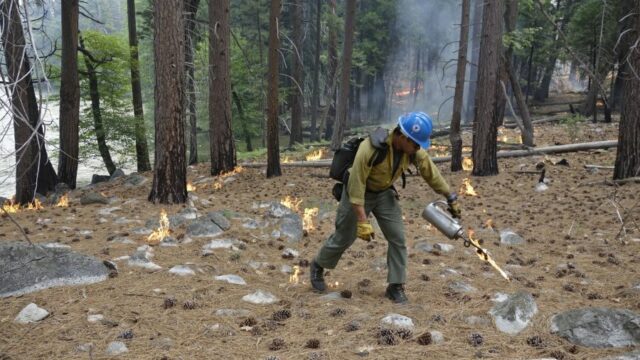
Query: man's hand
[[454, 206], [365, 230]]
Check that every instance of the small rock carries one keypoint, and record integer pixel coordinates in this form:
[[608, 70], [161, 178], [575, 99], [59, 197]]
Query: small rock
[[445, 248], [93, 198], [86, 347], [460, 286], [231, 279], [163, 343], [397, 321], [116, 348], [260, 297], [182, 270], [437, 337], [95, 318], [509, 237], [232, 312], [30, 314]]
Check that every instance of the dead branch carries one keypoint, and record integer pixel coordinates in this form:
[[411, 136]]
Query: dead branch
[[608, 167]]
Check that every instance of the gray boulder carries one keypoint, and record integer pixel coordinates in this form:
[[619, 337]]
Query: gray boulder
[[219, 219], [509, 237], [277, 210], [116, 174], [95, 179], [423, 246], [135, 180], [513, 313], [93, 198], [29, 268], [635, 355], [203, 227], [598, 327], [291, 227]]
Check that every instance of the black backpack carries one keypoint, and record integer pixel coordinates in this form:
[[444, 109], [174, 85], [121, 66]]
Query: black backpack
[[343, 160]]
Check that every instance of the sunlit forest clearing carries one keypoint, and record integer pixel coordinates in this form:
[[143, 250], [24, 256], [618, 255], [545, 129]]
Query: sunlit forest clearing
[[174, 206]]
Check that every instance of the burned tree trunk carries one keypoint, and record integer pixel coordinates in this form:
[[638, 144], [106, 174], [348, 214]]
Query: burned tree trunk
[[69, 95], [454, 137], [297, 88], [190, 40], [315, 101], [34, 172], [476, 25], [341, 121], [273, 145]]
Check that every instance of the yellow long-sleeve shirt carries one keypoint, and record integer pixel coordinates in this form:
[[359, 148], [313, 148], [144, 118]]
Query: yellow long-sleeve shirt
[[363, 177]]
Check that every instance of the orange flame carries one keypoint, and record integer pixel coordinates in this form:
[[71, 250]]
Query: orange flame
[[489, 224], [467, 188], [191, 187], [291, 202], [10, 206], [315, 155], [286, 160], [484, 255], [467, 164], [64, 201], [293, 278], [162, 231], [307, 219], [35, 205]]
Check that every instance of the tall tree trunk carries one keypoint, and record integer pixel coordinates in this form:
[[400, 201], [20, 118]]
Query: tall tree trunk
[[170, 173], [263, 121], [34, 172], [529, 72], [454, 136], [332, 64], [347, 50], [485, 127], [297, 88], [142, 149], [96, 112], [418, 75], [69, 95], [223, 147], [243, 121], [190, 40], [315, 102], [628, 155], [380, 96], [476, 26], [273, 145]]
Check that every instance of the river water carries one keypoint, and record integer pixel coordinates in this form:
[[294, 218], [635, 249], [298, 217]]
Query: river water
[[50, 115]]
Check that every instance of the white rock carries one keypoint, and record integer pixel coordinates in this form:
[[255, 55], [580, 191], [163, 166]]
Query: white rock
[[92, 318], [437, 337], [260, 297], [540, 187], [108, 211], [397, 321], [221, 244], [31, 313], [86, 347], [116, 348], [443, 247], [42, 221], [85, 232], [56, 245], [288, 252], [182, 270], [231, 279]]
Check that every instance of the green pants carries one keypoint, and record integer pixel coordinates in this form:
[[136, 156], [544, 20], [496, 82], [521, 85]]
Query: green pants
[[386, 209]]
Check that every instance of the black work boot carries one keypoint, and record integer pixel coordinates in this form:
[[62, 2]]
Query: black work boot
[[395, 292], [317, 278]]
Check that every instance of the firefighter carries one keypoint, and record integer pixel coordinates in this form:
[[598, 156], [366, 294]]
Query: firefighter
[[370, 190]]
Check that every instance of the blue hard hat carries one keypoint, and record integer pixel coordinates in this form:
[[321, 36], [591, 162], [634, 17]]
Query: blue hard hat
[[417, 126]]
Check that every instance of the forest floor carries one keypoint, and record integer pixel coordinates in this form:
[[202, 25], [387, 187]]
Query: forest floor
[[576, 221]]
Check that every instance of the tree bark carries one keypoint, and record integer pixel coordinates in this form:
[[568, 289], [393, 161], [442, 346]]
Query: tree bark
[[273, 145], [297, 88], [315, 102], [142, 149], [34, 172], [343, 99], [454, 137], [485, 127], [222, 143], [170, 173], [190, 40], [69, 95], [628, 156], [332, 65]]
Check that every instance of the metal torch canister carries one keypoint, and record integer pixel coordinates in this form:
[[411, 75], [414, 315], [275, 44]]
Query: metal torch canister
[[442, 220]]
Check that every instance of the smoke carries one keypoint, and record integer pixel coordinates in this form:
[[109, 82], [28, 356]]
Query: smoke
[[428, 40]]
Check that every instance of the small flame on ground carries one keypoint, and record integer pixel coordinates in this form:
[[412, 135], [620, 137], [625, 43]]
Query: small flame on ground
[[484, 256], [467, 188], [489, 224], [191, 187], [315, 155], [64, 201], [162, 231], [293, 278], [286, 160], [35, 205], [10, 206], [307, 219], [291, 202], [467, 164], [217, 185]]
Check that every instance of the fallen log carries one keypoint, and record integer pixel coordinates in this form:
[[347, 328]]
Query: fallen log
[[501, 154], [607, 167]]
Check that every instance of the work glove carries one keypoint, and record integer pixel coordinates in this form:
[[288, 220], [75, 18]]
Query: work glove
[[365, 230], [454, 206]]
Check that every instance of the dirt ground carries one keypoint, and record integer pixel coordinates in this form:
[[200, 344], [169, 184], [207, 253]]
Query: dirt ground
[[576, 221]]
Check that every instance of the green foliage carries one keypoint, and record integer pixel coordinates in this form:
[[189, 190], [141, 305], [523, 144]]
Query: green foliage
[[521, 39], [115, 99], [572, 124], [373, 38]]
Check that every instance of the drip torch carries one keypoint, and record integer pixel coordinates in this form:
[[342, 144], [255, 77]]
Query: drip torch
[[452, 229]]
